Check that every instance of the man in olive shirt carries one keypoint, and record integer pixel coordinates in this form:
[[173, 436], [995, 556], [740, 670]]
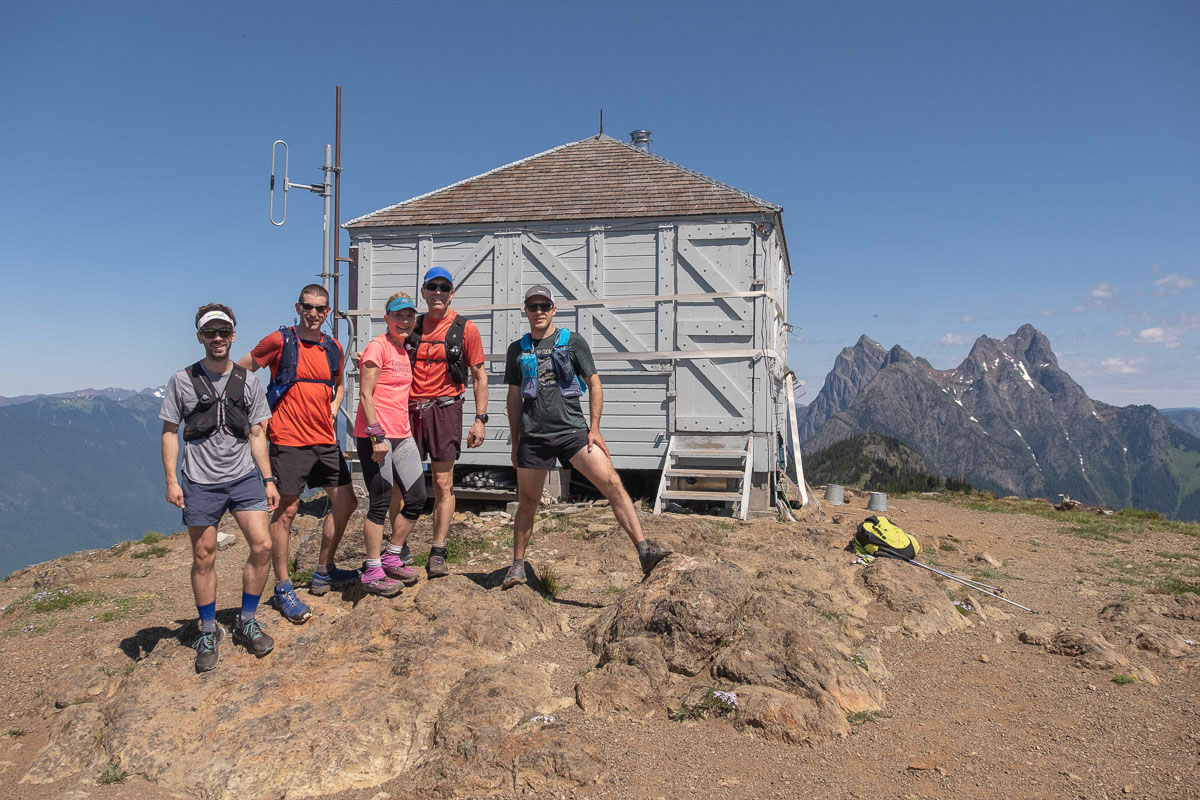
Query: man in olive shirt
[[546, 371]]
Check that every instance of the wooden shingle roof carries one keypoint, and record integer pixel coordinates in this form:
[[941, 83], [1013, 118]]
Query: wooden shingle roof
[[596, 178]]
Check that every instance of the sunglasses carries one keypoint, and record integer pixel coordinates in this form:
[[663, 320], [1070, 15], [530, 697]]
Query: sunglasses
[[539, 306], [439, 287], [212, 333], [311, 307]]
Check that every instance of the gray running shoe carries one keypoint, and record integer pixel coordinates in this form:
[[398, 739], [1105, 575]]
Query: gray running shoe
[[652, 556], [251, 635], [437, 568], [207, 647], [514, 577]]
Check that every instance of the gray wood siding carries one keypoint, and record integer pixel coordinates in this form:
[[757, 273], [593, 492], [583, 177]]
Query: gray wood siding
[[644, 401]]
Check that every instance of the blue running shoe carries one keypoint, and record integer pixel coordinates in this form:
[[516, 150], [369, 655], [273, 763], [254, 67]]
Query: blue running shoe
[[336, 579], [289, 605], [406, 557]]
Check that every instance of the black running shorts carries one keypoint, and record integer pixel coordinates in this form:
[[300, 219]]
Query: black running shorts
[[319, 466], [534, 453]]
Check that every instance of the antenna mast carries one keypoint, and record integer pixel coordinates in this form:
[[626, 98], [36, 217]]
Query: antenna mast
[[330, 191]]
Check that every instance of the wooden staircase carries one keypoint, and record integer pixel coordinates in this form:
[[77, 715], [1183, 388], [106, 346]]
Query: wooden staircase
[[707, 463]]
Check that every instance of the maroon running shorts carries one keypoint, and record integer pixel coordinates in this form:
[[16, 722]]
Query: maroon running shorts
[[437, 427]]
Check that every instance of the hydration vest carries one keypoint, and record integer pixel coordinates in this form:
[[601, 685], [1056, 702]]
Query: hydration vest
[[289, 359], [227, 410], [569, 384], [452, 347]]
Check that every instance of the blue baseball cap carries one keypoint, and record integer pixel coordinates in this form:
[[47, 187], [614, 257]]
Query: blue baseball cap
[[438, 272], [400, 303]]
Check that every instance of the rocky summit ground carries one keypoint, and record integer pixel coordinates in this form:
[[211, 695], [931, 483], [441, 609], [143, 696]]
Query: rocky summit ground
[[758, 661]]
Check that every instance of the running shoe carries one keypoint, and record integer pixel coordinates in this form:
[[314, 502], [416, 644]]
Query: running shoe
[[336, 579], [406, 555], [375, 581], [514, 577], [394, 566], [289, 605], [651, 557], [207, 649], [251, 635], [436, 567]]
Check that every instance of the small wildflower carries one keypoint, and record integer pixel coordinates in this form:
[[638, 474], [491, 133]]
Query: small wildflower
[[544, 719], [965, 606], [1189, 642], [861, 662], [727, 699]]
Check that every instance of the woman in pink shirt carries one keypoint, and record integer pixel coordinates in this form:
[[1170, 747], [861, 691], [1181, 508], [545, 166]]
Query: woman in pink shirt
[[390, 461]]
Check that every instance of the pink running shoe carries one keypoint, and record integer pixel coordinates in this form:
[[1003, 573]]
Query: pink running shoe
[[376, 581], [395, 567]]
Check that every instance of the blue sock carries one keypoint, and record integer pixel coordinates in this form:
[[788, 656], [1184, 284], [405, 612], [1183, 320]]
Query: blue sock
[[208, 617], [249, 606]]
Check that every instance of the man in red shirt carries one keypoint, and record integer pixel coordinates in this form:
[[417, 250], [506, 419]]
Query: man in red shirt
[[446, 348], [305, 393]]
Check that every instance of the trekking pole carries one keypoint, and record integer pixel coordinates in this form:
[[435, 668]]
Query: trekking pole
[[963, 581]]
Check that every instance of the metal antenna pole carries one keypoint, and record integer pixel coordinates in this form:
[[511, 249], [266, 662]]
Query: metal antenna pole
[[327, 195], [337, 209]]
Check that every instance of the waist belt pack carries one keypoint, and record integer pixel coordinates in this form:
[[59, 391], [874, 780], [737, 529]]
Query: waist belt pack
[[879, 533]]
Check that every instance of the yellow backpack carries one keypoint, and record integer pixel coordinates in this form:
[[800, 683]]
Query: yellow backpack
[[878, 532]]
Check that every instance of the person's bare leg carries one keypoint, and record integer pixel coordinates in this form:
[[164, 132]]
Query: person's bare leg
[[258, 565], [256, 528], [443, 494], [281, 534], [343, 504], [598, 468], [529, 495], [401, 526], [204, 559], [373, 536]]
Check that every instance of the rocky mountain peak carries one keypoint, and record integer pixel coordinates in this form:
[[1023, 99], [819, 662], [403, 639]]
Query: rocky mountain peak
[[1008, 418], [898, 355]]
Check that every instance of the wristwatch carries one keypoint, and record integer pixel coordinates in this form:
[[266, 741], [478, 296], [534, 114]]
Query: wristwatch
[[482, 418], [270, 479]]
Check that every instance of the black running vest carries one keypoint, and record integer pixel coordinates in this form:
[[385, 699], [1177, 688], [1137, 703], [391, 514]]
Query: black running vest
[[455, 361], [212, 411]]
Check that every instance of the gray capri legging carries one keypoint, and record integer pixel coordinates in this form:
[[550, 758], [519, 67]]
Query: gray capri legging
[[401, 466]]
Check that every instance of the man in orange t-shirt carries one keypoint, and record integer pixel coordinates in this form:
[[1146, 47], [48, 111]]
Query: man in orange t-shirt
[[304, 448], [439, 380]]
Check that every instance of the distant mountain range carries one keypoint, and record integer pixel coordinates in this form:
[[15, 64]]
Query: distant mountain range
[[81, 470], [1187, 419], [112, 393], [1008, 418]]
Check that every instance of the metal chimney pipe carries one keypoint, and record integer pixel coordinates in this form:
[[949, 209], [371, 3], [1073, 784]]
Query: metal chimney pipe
[[641, 140]]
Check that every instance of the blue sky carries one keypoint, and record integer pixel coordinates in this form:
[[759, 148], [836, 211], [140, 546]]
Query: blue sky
[[947, 169]]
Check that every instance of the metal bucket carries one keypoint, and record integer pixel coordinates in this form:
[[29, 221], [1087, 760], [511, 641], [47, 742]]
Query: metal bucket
[[877, 502], [834, 495]]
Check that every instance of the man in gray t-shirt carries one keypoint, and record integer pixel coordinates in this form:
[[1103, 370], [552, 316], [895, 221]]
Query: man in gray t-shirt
[[545, 374], [222, 408]]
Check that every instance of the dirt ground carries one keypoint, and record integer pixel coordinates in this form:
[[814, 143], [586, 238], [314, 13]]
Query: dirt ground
[[972, 713]]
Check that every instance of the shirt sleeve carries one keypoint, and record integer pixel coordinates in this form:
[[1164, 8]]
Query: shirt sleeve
[[472, 344], [258, 408], [512, 371], [585, 367], [266, 353], [373, 354], [172, 404]]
